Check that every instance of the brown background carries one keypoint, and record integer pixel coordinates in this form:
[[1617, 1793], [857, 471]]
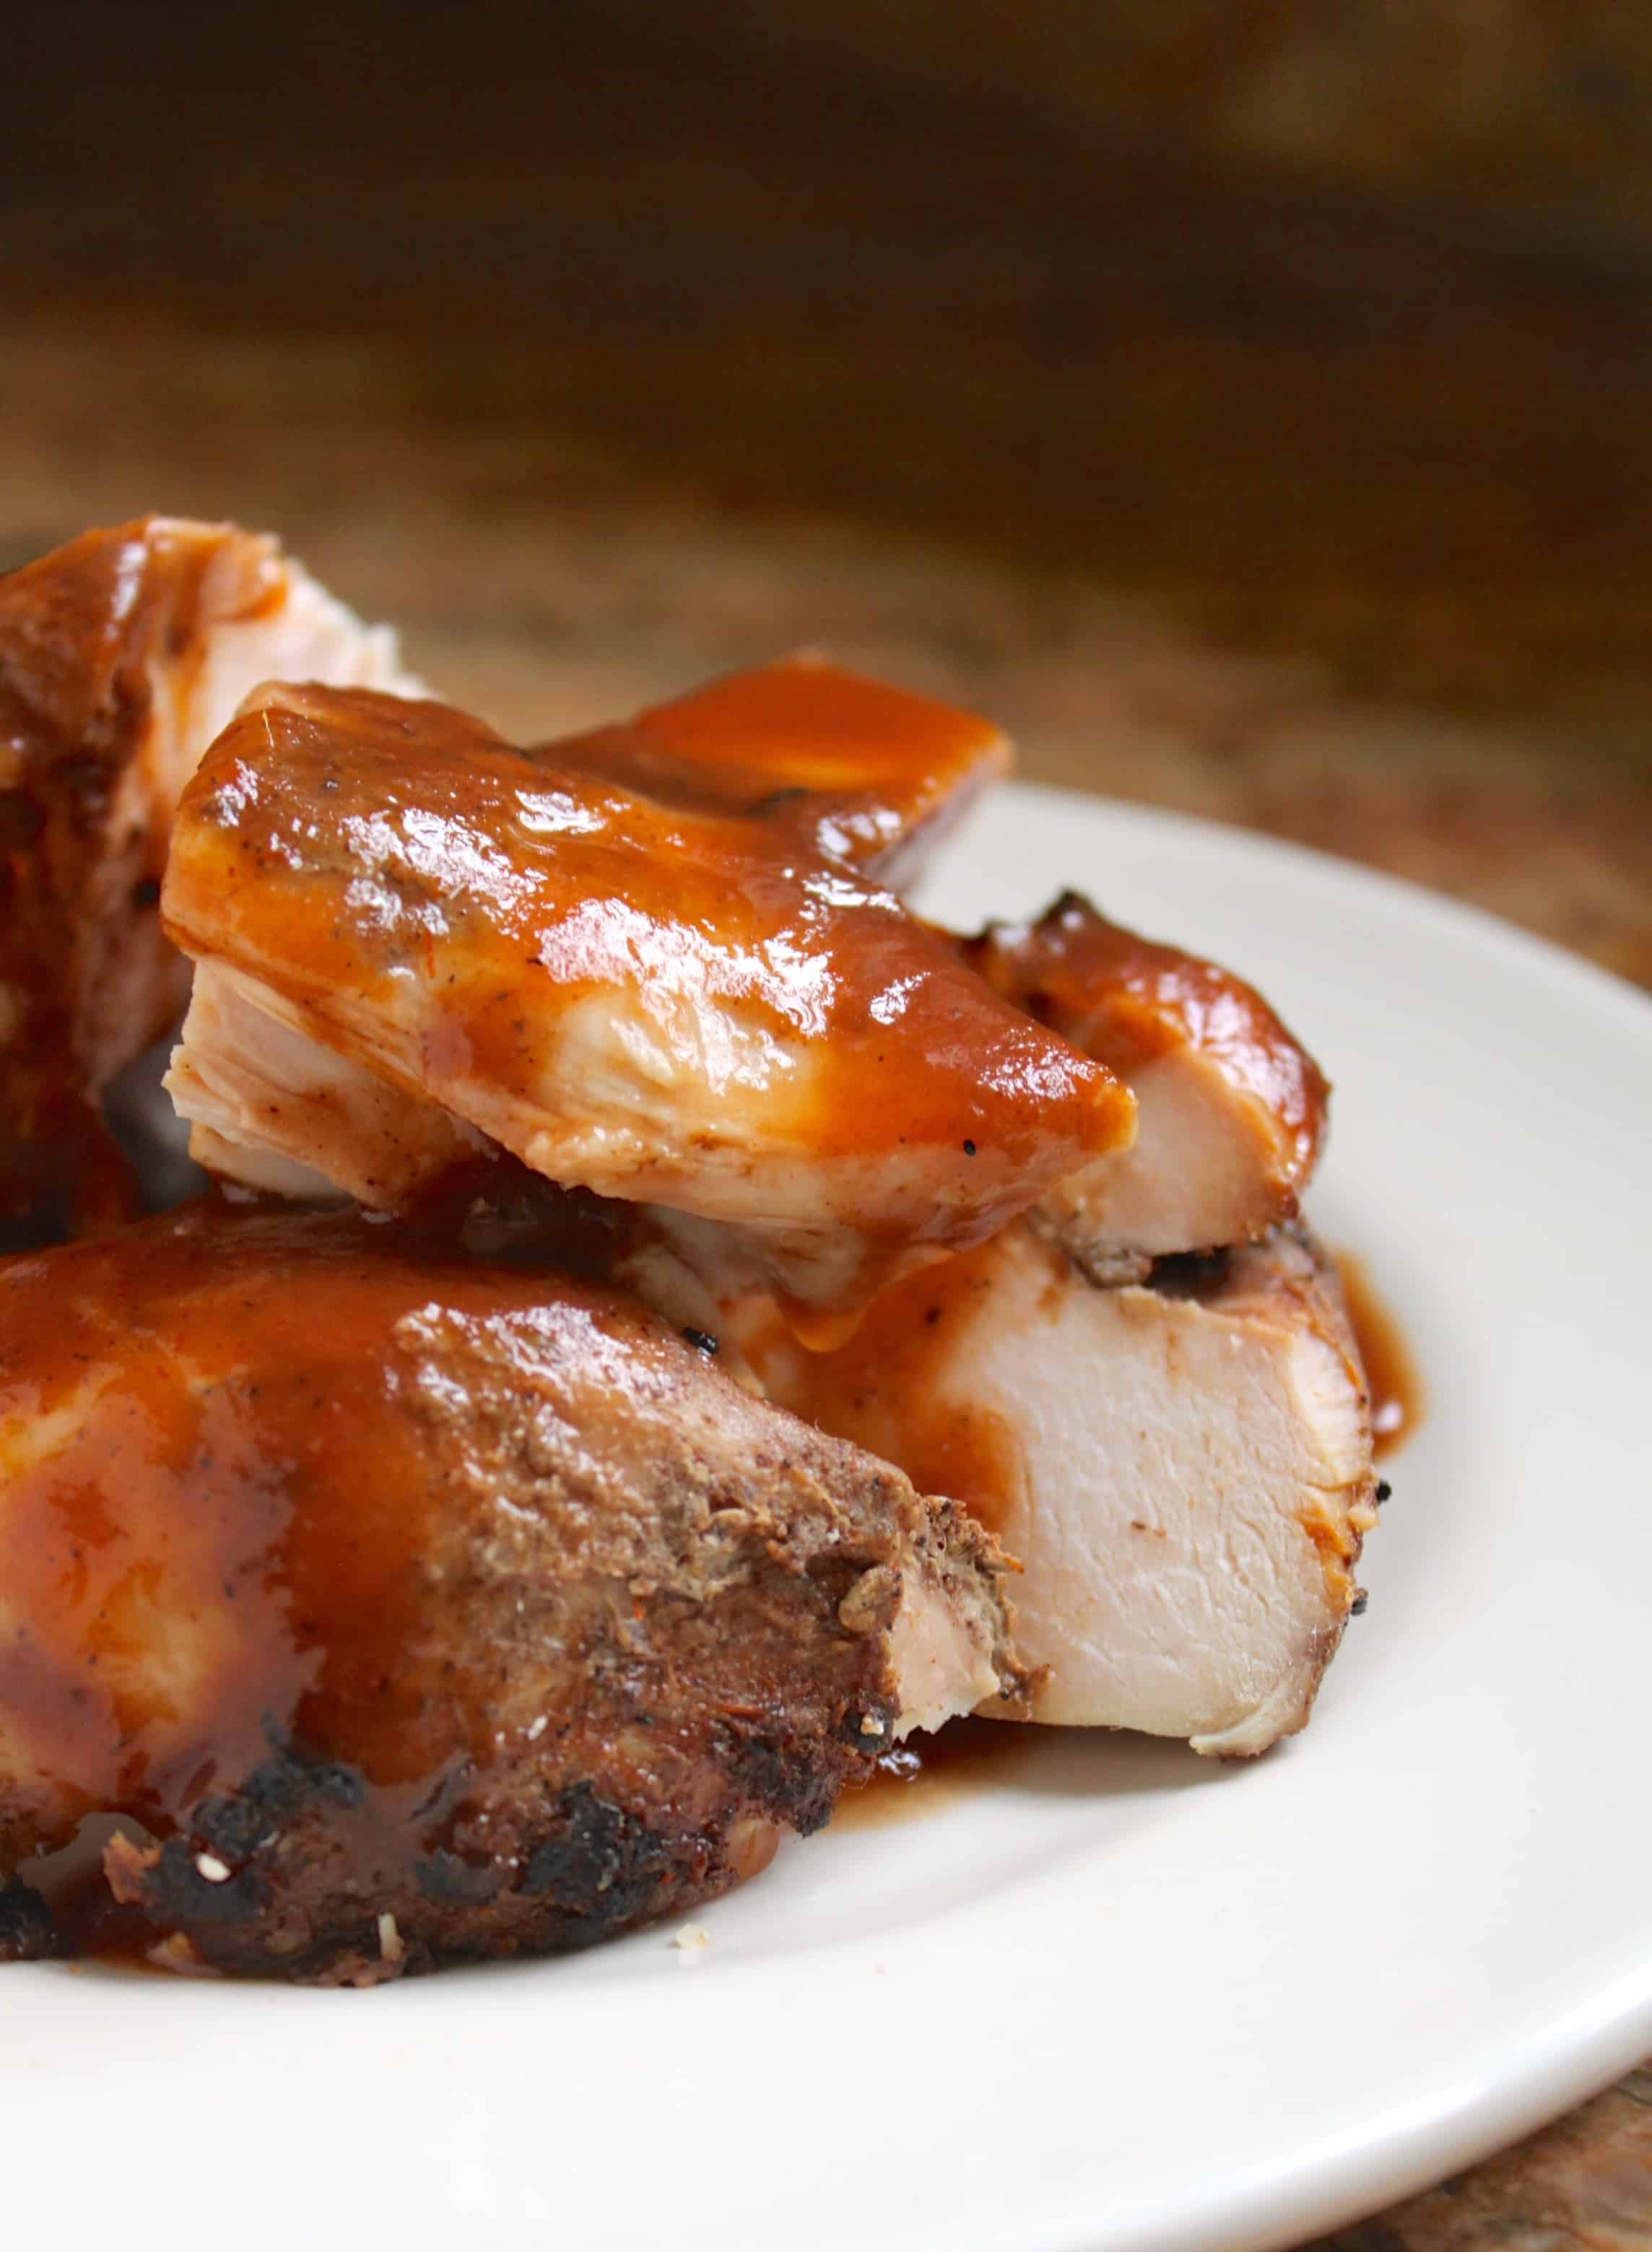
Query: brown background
[[1252, 406]]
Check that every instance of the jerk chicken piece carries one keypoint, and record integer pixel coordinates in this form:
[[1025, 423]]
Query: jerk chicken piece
[[411, 936], [404, 1608], [1183, 1470], [121, 656], [859, 770], [1230, 1110]]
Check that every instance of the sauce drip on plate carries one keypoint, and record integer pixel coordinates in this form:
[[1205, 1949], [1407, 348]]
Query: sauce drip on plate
[[1397, 1396], [929, 1774]]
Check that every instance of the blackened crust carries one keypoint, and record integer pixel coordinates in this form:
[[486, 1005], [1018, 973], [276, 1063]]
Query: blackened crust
[[27, 1930]]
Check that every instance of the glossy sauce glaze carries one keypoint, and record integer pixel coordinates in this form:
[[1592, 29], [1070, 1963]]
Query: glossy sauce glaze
[[1391, 1374], [93, 637], [889, 1388], [854, 767], [236, 1541], [927, 1774], [466, 920], [221, 1511], [223, 1525], [359, 1578], [1125, 1000]]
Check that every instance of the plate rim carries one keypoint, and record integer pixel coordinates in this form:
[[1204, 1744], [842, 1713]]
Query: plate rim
[[1463, 916]]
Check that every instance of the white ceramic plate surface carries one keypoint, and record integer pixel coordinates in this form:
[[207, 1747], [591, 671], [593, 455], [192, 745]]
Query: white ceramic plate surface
[[1127, 1998]]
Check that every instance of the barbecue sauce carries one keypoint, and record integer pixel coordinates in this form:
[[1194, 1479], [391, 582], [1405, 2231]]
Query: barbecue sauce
[[1125, 1000], [189, 1607], [929, 1774], [844, 765], [478, 924], [1391, 1371]]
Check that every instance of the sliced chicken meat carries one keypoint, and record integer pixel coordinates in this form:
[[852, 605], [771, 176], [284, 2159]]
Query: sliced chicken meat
[[1230, 1110], [121, 656], [272, 1107], [393, 1607], [681, 1007], [861, 771], [1183, 1470]]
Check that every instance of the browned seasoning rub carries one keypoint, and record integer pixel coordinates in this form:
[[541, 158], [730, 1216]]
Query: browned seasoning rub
[[410, 1609]]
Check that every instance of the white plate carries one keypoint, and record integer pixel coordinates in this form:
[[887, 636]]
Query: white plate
[[1129, 2000]]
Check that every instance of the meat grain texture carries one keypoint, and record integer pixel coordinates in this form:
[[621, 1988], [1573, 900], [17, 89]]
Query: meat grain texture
[[1147, 1386], [1182, 1468]]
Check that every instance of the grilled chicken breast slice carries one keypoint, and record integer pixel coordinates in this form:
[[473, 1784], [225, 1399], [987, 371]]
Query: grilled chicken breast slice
[[667, 1006], [1230, 1108], [121, 656], [854, 769], [402, 1608], [1183, 1470], [275, 1108]]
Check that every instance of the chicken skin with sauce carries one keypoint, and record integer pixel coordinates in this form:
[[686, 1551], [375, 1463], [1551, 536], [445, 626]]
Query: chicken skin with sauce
[[405, 1608], [414, 941], [1230, 1108], [121, 656], [861, 771]]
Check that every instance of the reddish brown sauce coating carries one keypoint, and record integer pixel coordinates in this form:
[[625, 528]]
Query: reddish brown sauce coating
[[852, 765], [927, 1774], [1125, 1000], [885, 1387], [85, 980], [450, 909], [1391, 1375], [403, 1607], [184, 1590]]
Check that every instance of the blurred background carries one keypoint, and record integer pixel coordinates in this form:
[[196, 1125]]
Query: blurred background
[[1249, 405]]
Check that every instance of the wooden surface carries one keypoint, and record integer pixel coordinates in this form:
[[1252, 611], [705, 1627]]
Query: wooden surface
[[601, 363]]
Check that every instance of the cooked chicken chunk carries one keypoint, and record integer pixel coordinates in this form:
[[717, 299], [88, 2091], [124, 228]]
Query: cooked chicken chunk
[[121, 656], [862, 772], [1230, 1111], [404, 1608], [1183, 1470], [668, 1007], [275, 1108]]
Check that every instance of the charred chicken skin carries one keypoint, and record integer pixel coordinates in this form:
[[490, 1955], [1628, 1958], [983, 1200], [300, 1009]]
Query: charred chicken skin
[[121, 656], [405, 1608]]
